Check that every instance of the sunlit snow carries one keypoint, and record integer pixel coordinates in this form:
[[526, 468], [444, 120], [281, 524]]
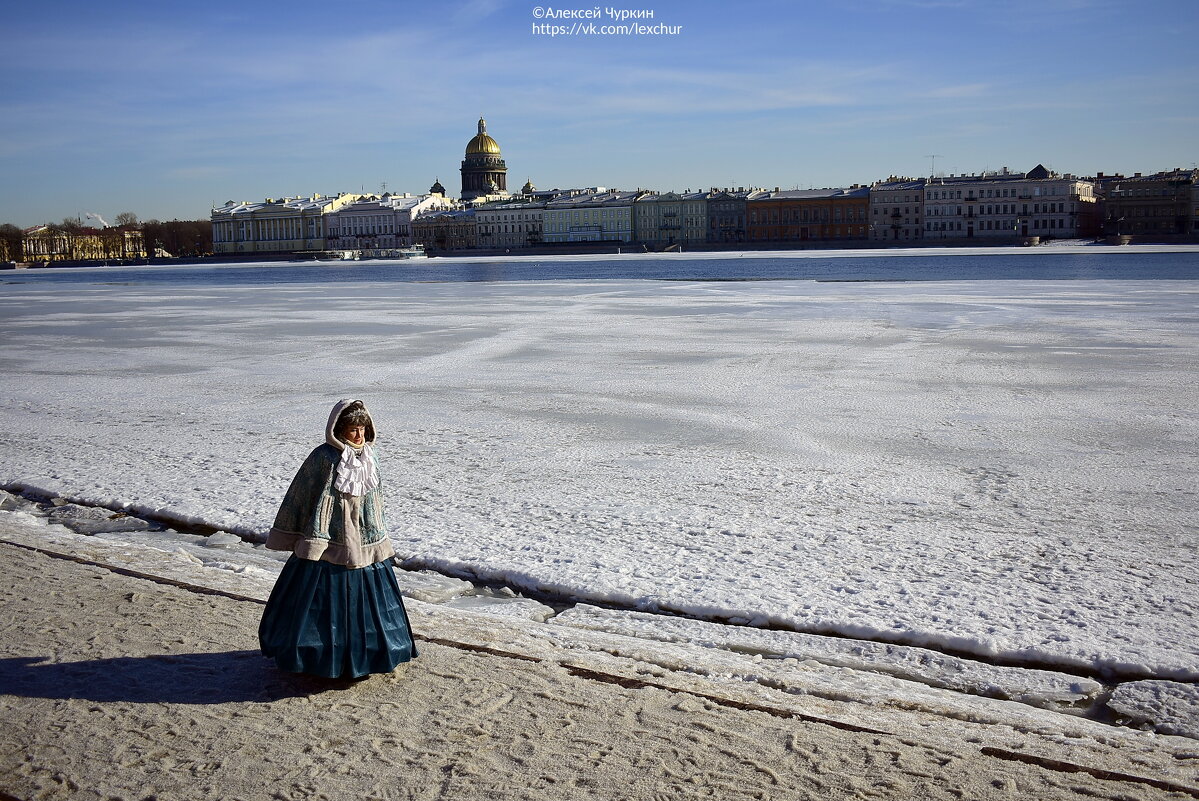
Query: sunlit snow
[[995, 468]]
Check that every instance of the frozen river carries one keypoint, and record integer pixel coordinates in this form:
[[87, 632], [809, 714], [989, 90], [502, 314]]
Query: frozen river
[[997, 467]]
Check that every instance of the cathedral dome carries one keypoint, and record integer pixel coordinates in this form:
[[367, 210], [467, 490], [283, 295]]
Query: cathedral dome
[[482, 144], [483, 170]]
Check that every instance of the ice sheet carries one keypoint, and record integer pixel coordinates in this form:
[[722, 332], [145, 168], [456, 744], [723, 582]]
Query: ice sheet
[[994, 468], [1167, 706]]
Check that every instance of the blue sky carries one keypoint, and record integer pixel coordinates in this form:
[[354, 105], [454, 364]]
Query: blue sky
[[165, 108]]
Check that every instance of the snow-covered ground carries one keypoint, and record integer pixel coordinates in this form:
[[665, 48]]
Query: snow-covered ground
[[122, 688], [1004, 469]]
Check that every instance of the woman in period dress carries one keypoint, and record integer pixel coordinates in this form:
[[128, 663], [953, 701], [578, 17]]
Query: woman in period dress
[[336, 609]]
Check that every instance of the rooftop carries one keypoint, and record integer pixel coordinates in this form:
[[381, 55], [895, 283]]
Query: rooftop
[[815, 194]]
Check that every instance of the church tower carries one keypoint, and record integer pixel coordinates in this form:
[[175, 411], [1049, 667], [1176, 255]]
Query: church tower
[[483, 170]]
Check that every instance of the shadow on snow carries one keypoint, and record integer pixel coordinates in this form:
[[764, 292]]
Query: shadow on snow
[[198, 678]]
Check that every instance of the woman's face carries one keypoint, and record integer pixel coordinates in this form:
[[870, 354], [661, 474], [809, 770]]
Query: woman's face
[[355, 435]]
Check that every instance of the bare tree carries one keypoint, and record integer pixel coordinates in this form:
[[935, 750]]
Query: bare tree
[[10, 242], [112, 243], [178, 237], [126, 218], [69, 231]]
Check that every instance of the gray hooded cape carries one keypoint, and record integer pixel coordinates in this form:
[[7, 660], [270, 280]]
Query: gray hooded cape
[[317, 522]]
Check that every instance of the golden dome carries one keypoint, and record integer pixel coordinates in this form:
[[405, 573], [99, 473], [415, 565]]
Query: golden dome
[[482, 144]]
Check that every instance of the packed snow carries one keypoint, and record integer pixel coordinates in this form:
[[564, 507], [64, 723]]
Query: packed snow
[[1036, 687], [125, 687], [999, 469]]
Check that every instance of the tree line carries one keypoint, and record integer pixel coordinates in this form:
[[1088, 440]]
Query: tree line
[[159, 239]]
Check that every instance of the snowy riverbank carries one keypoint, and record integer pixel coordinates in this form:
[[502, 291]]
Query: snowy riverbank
[[970, 499], [141, 677]]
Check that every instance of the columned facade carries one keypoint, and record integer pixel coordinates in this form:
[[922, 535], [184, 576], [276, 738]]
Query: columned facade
[[373, 223], [284, 225]]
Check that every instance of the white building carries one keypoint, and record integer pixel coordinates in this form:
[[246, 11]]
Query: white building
[[509, 225], [1006, 205], [380, 222], [283, 225]]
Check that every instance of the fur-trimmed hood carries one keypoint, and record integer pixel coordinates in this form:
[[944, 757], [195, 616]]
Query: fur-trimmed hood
[[318, 520], [338, 408]]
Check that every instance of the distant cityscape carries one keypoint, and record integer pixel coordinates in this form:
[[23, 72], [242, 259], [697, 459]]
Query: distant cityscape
[[1000, 207]]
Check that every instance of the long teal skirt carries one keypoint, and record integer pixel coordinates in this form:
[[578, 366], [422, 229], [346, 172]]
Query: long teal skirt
[[335, 621]]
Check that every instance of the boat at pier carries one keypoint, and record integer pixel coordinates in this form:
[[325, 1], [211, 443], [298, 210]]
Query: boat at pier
[[413, 252]]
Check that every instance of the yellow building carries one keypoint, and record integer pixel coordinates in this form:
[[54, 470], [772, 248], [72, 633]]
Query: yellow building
[[51, 243]]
